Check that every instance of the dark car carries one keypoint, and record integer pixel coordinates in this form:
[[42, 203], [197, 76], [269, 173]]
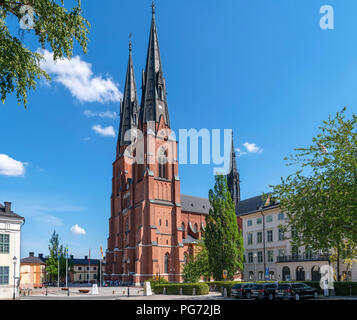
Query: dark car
[[242, 290], [264, 291], [295, 291]]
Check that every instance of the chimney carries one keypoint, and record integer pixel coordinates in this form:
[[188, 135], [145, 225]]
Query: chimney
[[85, 257], [7, 207], [40, 255], [31, 254]]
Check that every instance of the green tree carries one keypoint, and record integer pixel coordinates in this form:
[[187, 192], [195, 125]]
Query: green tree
[[197, 265], [222, 238], [56, 249], [51, 24], [320, 198]]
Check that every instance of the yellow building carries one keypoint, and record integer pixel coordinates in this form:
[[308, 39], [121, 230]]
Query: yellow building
[[32, 272]]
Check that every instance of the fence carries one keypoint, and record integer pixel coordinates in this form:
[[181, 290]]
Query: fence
[[82, 292]]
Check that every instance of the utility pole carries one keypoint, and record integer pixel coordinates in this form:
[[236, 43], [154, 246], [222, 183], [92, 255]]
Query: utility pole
[[261, 212], [58, 270]]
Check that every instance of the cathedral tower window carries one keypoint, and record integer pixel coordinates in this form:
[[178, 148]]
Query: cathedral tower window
[[166, 263]]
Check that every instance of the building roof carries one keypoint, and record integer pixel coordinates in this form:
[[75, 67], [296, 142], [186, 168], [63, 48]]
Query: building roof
[[84, 261], [10, 214], [202, 205], [252, 205], [33, 260], [195, 204], [189, 239]]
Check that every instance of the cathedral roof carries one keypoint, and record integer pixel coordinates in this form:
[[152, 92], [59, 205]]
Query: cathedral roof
[[195, 204], [153, 99]]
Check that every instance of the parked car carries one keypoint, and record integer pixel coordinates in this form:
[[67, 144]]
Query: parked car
[[242, 290], [264, 291], [295, 291]]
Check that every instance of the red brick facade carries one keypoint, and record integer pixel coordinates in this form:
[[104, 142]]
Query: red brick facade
[[152, 227]]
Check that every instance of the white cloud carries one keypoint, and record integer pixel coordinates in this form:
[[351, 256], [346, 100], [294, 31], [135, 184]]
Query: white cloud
[[77, 76], [49, 220], [11, 167], [252, 147], [105, 114], [240, 152], [76, 229], [104, 131]]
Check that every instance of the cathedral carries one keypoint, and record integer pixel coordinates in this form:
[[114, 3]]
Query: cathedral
[[153, 228]]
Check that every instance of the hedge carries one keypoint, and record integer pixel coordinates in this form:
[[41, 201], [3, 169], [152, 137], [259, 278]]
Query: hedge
[[343, 288], [187, 288]]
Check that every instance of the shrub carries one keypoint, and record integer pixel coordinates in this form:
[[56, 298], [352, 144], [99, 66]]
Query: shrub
[[156, 281], [343, 288], [187, 288]]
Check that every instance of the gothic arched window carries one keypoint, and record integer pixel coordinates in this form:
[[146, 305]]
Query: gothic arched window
[[162, 163], [166, 263]]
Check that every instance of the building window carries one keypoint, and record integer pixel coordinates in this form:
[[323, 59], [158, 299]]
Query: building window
[[195, 228], [270, 235], [95, 276], [250, 257], [281, 235], [159, 222], [162, 163], [250, 238], [271, 275], [281, 216], [270, 256], [4, 275], [281, 252], [294, 251], [80, 277], [250, 223], [166, 263], [259, 220], [4, 243], [167, 223], [260, 256], [259, 237], [251, 275], [79, 268], [260, 275], [185, 257], [183, 226], [293, 232]]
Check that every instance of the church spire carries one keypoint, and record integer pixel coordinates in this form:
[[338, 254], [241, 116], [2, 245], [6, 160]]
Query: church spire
[[129, 107], [233, 178], [153, 100]]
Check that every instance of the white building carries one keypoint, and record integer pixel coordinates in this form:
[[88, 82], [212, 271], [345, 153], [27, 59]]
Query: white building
[[282, 261], [10, 239]]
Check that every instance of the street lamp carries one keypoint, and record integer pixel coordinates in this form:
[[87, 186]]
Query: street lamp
[[255, 265], [14, 259]]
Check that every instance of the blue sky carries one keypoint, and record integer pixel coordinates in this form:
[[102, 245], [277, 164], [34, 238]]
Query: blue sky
[[262, 68]]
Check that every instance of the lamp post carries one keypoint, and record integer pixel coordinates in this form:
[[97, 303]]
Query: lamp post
[[261, 212], [14, 259], [255, 265]]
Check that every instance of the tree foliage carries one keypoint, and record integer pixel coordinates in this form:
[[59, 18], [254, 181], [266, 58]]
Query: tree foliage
[[197, 265], [223, 240], [52, 24], [57, 251], [320, 198]]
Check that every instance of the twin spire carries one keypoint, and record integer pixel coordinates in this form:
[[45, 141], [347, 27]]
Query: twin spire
[[233, 181], [153, 99]]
